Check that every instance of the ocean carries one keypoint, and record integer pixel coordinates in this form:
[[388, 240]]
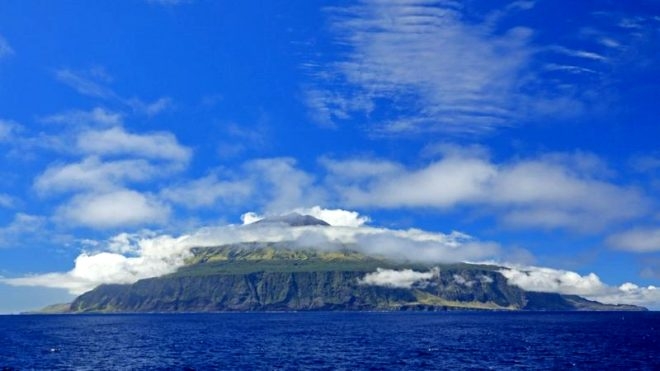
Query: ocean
[[333, 341]]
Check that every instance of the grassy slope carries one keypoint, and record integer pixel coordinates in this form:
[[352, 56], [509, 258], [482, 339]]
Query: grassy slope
[[258, 257], [262, 276]]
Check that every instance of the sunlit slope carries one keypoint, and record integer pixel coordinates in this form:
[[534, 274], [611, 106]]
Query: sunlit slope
[[264, 277]]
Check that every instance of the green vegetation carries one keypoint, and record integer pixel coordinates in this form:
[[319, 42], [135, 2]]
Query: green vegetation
[[258, 276]]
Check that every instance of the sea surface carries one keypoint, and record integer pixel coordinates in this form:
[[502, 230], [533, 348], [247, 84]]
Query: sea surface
[[332, 341]]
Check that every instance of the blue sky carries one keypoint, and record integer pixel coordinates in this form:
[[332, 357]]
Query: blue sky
[[529, 126]]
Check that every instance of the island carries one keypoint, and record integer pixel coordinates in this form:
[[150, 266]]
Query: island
[[259, 276]]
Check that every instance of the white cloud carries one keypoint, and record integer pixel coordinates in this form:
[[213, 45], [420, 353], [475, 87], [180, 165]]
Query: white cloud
[[362, 169], [334, 217], [83, 84], [631, 293], [405, 278], [155, 256], [327, 106], [251, 217], [646, 163], [554, 195], [117, 141], [208, 191], [552, 191], [418, 66], [8, 130], [93, 83], [115, 160], [5, 49], [465, 282], [6, 200], [522, 5], [93, 174], [585, 54], [151, 109], [409, 244], [114, 209], [126, 258], [23, 227], [641, 240], [95, 117], [441, 184], [282, 186], [590, 286], [554, 280], [431, 68]]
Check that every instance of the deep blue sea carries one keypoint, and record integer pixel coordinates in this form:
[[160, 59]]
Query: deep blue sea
[[332, 340]]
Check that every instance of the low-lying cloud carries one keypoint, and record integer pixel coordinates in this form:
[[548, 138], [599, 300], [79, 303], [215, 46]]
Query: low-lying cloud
[[405, 278], [590, 286], [127, 258]]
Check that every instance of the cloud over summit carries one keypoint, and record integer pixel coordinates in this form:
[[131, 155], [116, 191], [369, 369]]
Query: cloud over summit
[[126, 258]]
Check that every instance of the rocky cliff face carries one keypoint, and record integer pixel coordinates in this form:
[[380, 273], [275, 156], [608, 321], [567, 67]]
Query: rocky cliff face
[[265, 278], [242, 292]]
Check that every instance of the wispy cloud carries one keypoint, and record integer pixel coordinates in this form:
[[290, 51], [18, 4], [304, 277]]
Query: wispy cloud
[[416, 66], [153, 108], [208, 192], [8, 130], [94, 83], [22, 225], [6, 200], [650, 268], [97, 116], [5, 49], [245, 138], [431, 67], [585, 54], [84, 85], [648, 163], [282, 185]]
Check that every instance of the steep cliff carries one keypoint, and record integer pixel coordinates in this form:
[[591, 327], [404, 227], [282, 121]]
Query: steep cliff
[[249, 277]]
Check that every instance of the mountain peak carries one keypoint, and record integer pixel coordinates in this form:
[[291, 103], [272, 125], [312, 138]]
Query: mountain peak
[[293, 220]]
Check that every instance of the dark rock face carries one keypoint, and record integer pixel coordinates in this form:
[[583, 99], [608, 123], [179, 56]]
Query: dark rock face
[[547, 301], [255, 291], [258, 278], [293, 220]]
